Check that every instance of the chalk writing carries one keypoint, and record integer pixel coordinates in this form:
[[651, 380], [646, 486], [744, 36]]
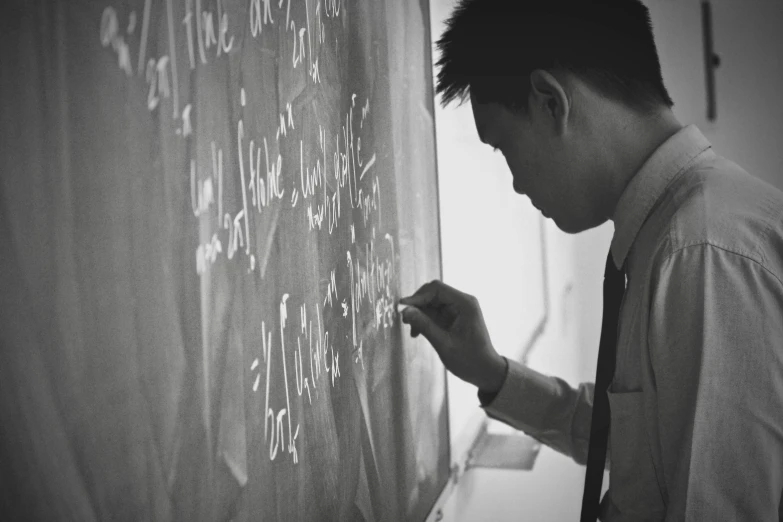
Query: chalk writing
[[173, 54], [245, 217], [332, 8], [260, 15], [111, 36], [331, 290], [314, 356], [331, 176], [204, 32], [187, 127], [265, 186], [372, 284], [207, 254], [157, 81], [145, 24]]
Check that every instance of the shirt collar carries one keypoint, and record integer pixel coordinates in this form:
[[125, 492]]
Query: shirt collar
[[649, 184]]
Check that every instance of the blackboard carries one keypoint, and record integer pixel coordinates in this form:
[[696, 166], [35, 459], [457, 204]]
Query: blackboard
[[208, 209]]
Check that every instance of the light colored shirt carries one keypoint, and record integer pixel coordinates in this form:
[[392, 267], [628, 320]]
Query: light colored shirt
[[697, 397]]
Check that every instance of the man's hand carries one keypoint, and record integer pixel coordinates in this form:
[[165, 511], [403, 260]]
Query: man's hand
[[452, 322]]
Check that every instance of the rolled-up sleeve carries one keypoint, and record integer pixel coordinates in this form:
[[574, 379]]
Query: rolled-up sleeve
[[546, 408], [716, 351]]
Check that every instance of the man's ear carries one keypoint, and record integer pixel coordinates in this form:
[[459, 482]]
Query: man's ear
[[548, 95]]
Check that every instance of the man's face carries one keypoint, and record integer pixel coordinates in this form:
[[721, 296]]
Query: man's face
[[544, 166]]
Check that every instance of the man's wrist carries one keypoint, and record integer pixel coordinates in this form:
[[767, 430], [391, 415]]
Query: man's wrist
[[487, 396], [496, 378]]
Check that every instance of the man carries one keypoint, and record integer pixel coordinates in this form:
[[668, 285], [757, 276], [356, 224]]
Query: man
[[571, 93]]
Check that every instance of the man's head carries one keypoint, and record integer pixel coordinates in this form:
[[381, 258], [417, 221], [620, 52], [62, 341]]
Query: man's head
[[552, 83]]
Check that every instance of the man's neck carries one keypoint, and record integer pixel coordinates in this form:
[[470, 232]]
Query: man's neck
[[630, 145]]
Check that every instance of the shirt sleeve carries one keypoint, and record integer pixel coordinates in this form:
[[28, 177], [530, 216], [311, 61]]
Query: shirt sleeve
[[546, 408], [716, 351]]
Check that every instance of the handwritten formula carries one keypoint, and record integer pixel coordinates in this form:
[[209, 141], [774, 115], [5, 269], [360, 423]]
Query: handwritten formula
[[328, 178]]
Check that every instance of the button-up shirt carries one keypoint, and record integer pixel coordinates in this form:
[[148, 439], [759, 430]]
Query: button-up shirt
[[697, 397]]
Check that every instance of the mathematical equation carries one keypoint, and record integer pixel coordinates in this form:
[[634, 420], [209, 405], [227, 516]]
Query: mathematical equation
[[337, 176]]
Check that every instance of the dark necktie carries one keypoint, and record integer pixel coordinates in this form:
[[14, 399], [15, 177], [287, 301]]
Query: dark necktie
[[614, 287]]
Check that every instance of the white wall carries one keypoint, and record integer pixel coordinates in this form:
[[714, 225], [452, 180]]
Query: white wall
[[749, 86], [748, 130], [748, 81]]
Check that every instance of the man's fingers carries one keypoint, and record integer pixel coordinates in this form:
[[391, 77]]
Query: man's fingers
[[422, 324], [434, 293], [422, 297]]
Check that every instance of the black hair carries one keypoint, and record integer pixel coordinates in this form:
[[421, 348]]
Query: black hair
[[490, 47]]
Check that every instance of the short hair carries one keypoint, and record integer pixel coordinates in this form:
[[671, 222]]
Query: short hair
[[490, 47]]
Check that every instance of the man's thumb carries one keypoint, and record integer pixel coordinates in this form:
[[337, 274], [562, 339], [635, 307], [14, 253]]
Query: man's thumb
[[426, 326]]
